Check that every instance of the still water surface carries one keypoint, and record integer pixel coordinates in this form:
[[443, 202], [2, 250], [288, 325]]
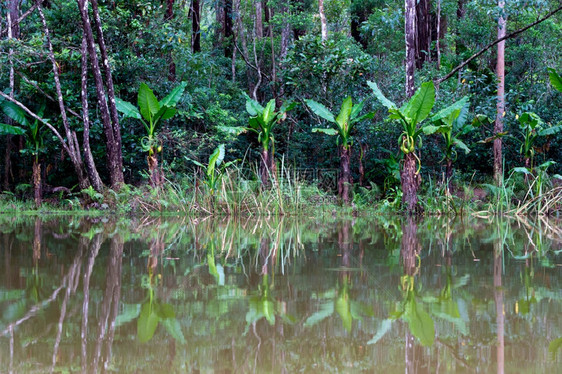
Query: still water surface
[[280, 296]]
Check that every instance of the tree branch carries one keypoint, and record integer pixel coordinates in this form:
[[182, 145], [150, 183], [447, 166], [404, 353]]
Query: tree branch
[[508, 36]]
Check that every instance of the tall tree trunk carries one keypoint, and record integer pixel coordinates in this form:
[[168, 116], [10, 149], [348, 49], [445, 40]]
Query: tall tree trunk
[[345, 181], [410, 32], [117, 164], [439, 36], [500, 72], [91, 169], [267, 16], [285, 33], [171, 63], [423, 30], [259, 18], [228, 29], [364, 147], [323, 22], [195, 26], [111, 132], [73, 147], [155, 174], [448, 171], [410, 180]]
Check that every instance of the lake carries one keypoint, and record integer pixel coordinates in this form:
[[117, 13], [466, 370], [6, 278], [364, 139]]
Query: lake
[[373, 294]]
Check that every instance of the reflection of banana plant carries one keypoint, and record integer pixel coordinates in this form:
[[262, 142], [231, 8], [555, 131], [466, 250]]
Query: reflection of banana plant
[[151, 112], [263, 305], [153, 312], [523, 305], [340, 301], [215, 169]]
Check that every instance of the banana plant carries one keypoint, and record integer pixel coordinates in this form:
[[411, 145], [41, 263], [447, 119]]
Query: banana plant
[[215, 168], [532, 127], [452, 123], [344, 124], [262, 121], [151, 113], [33, 136], [410, 115]]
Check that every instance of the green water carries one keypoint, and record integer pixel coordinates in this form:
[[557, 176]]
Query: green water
[[280, 296]]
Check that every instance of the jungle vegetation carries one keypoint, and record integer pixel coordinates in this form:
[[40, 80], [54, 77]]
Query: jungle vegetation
[[436, 106]]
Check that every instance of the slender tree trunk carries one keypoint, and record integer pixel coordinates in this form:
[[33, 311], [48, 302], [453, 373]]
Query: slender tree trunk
[[285, 33], [448, 171], [117, 164], [111, 132], [267, 16], [91, 169], [364, 147], [259, 18], [345, 181], [323, 22], [410, 181], [228, 29], [500, 71], [438, 45], [422, 32], [171, 63], [37, 182], [73, 147], [410, 32], [195, 26]]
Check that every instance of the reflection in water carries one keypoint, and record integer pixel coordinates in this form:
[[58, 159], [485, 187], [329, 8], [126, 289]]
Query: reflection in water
[[279, 296]]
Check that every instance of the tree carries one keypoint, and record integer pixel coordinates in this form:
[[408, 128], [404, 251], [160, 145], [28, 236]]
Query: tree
[[323, 22], [410, 31], [195, 12], [500, 112], [262, 121], [412, 113], [151, 112], [344, 126]]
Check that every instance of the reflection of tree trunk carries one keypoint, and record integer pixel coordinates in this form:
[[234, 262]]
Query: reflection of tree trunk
[[71, 283], [93, 251], [410, 246], [498, 297], [110, 304], [409, 353], [37, 236]]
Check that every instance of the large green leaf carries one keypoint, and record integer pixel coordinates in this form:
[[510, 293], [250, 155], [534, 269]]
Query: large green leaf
[[253, 107], [344, 310], [550, 130], [454, 108], [330, 132], [555, 79], [326, 309], [380, 97], [344, 114], [420, 105], [420, 323], [15, 112], [147, 102], [269, 112], [459, 143], [163, 114], [432, 129], [320, 110], [218, 154], [173, 327], [10, 130], [554, 346], [530, 119], [126, 108], [147, 322], [174, 96]]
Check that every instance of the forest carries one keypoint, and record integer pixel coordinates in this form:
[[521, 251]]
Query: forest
[[281, 107]]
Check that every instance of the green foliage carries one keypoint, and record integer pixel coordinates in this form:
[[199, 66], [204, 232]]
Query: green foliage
[[345, 120], [150, 111], [215, 169], [413, 112]]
